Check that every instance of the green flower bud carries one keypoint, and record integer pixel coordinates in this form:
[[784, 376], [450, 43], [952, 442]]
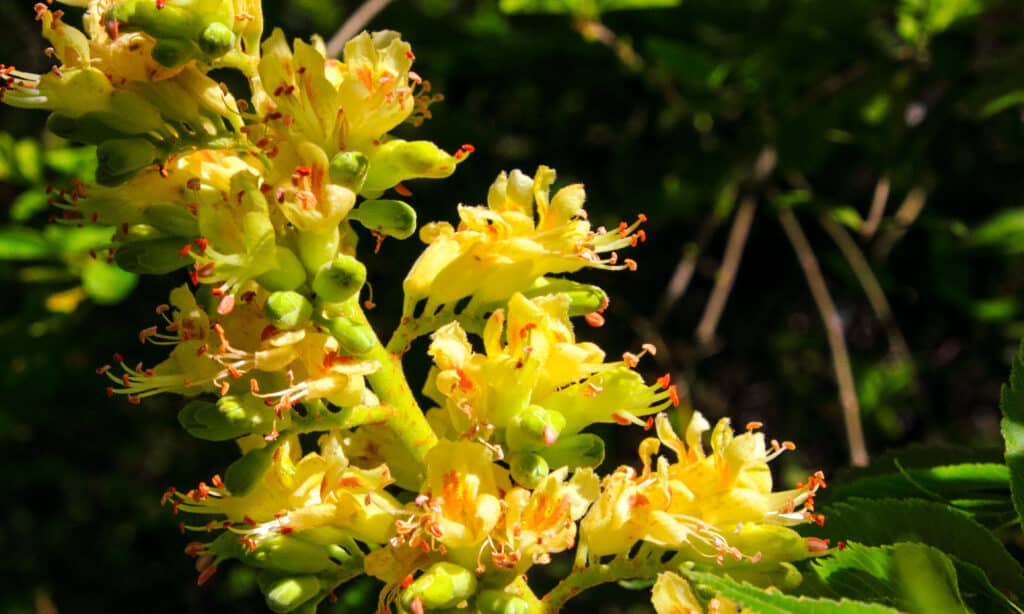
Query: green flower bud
[[171, 219], [398, 160], [318, 247], [354, 338], [780, 575], [774, 542], [171, 52], [287, 309], [574, 451], [583, 298], [443, 585], [228, 418], [85, 129], [288, 554], [118, 157], [216, 39], [341, 280], [389, 217], [246, 472], [287, 594], [500, 602], [534, 428], [528, 469], [288, 275], [348, 168], [153, 257], [167, 21]]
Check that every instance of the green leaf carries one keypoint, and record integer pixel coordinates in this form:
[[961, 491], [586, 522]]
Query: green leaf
[[1006, 101], [23, 244], [28, 204], [894, 575], [878, 522], [773, 602], [1012, 406], [1004, 231], [107, 283], [946, 481], [979, 592]]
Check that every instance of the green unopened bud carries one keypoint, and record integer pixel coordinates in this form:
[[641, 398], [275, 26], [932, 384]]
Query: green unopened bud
[[534, 428], [528, 469], [171, 52], [287, 310], [388, 217], [574, 451], [287, 594], [500, 602], [246, 472], [85, 129], [124, 156], [229, 418], [397, 160], [159, 20], [153, 257], [443, 585], [171, 219], [775, 543], [354, 338], [289, 273], [290, 555], [216, 39], [783, 576], [342, 279], [348, 168], [583, 298]]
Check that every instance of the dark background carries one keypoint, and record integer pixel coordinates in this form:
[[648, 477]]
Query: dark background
[[667, 115]]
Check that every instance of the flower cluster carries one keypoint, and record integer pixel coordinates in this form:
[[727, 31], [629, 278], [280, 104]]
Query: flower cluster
[[258, 205]]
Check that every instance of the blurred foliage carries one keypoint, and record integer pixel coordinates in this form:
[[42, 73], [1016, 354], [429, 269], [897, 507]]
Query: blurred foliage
[[678, 109]]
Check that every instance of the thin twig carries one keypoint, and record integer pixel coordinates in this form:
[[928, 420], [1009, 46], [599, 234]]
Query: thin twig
[[355, 22], [727, 272], [679, 283], [876, 296], [834, 331], [878, 201], [904, 217]]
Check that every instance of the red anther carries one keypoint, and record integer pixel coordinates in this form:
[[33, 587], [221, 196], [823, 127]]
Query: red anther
[[193, 276], [248, 295], [631, 359], [235, 373], [217, 291], [202, 244], [249, 521], [202, 349], [224, 388], [649, 424], [665, 381], [95, 217], [113, 28], [673, 395], [194, 548], [819, 519], [287, 530], [815, 544], [268, 331], [630, 264], [181, 527], [638, 499], [620, 419], [789, 445], [406, 581], [409, 54], [642, 235], [369, 305], [102, 370], [416, 607], [303, 171], [254, 386], [288, 120], [206, 575], [160, 4], [204, 490], [126, 380], [274, 115], [623, 229], [278, 90], [265, 188], [641, 217], [402, 190], [594, 319], [468, 148], [550, 435], [206, 270], [110, 391], [217, 481], [118, 358], [841, 545], [226, 304], [753, 425]]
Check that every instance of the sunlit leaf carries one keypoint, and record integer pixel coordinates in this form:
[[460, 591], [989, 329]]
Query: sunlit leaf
[[773, 602]]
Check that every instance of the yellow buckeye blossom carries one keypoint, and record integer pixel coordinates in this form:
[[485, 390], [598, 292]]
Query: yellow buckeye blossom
[[542, 522], [318, 493], [702, 502], [240, 352], [532, 359], [504, 247], [459, 505]]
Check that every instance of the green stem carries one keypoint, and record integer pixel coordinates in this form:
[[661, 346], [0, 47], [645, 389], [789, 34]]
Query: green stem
[[520, 588], [646, 564], [320, 419], [406, 419]]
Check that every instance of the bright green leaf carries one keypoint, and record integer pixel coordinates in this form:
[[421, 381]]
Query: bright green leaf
[[773, 602], [107, 283], [23, 244], [1012, 406]]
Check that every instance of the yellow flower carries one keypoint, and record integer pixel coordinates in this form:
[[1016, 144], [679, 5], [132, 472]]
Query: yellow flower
[[542, 522], [717, 505], [672, 595], [506, 246], [539, 370], [298, 493]]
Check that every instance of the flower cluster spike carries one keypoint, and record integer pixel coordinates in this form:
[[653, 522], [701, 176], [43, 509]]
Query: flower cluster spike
[[256, 208]]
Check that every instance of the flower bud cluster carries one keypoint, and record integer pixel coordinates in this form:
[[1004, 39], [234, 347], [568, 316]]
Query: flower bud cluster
[[261, 202]]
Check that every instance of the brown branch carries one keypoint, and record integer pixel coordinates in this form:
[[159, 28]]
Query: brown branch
[[352, 26], [904, 217], [679, 283], [726, 276], [834, 332], [878, 201]]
